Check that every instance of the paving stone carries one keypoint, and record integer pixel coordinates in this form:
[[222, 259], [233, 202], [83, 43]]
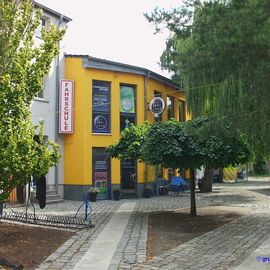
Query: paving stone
[[229, 244]]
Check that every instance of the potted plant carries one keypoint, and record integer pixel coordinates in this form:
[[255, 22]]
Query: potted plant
[[93, 192], [116, 194]]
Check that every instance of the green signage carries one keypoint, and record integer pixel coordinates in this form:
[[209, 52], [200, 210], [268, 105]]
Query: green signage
[[127, 102]]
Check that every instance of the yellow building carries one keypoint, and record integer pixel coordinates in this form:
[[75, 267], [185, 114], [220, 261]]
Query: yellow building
[[108, 96]]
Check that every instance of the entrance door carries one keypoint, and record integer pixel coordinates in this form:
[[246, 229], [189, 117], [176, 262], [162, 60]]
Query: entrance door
[[128, 177], [102, 172]]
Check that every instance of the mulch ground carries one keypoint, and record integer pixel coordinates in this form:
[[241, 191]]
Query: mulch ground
[[29, 245], [167, 230]]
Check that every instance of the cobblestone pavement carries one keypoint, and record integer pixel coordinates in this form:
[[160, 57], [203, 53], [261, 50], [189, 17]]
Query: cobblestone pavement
[[222, 248]]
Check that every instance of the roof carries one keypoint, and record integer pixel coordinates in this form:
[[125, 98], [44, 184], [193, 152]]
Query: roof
[[53, 12], [97, 63]]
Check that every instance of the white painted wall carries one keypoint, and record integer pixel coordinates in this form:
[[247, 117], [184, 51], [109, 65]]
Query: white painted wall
[[46, 109]]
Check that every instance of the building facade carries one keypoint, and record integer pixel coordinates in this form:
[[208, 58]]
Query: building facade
[[108, 96], [45, 106]]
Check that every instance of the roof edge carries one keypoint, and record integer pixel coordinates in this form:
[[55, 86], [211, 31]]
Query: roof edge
[[98, 63], [53, 12]]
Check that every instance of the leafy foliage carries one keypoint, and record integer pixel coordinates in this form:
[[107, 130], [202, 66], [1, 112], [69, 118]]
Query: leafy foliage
[[220, 144], [207, 141], [219, 52], [130, 144], [188, 145], [168, 144], [23, 67]]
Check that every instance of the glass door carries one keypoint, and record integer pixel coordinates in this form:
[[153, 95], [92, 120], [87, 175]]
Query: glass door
[[128, 177]]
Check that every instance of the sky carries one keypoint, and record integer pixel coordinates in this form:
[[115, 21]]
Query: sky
[[115, 30]]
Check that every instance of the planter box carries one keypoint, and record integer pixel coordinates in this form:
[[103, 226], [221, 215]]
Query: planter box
[[92, 196], [147, 193], [116, 195]]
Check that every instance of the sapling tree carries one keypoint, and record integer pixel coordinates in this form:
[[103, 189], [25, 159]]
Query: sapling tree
[[23, 65]]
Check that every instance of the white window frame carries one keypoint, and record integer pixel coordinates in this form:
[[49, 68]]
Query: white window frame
[[41, 95], [43, 24]]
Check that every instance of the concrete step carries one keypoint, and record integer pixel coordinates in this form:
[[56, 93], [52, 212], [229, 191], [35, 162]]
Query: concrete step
[[54, 201], [52, 197]]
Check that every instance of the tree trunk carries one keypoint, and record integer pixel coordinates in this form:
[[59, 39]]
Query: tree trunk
[[1, 208], [193, 211], [207, 181], [220, 175]]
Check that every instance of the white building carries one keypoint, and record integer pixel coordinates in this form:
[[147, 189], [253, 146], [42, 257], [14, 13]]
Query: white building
[[45, 105]]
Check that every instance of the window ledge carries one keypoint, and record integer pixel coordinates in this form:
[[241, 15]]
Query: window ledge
[[102, 134], [41, 100]]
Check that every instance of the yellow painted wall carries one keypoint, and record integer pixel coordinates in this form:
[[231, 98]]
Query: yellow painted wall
[[78, 146]]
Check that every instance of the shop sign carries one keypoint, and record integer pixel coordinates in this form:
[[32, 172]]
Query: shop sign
[[66, 97], [157, 105]]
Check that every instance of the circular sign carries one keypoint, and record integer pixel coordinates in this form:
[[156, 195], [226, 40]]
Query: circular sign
[[100, 122], [127, 105], [157, 105]]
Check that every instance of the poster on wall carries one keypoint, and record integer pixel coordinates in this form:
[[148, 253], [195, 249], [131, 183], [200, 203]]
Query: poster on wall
[[101, 172], [101, 107], [127, 103], [101, 96]]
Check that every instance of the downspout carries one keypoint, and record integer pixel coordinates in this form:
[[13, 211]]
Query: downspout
[[145, 94], [57, 103], [145, 115]]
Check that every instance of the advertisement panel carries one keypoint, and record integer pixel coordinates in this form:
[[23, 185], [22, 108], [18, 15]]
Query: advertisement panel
[[101, 96], [101, 107], [101, 172], [127, 103]]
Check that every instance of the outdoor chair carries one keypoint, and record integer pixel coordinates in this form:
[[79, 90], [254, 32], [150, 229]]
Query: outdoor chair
[[178, 186], [161, 187]]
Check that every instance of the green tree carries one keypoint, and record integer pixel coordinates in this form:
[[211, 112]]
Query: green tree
[[168, 144], [183, 145], [221, 145], [23, 67], [219, 51]]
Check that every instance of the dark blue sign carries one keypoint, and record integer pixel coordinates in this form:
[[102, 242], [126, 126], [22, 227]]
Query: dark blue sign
[[101, 123]]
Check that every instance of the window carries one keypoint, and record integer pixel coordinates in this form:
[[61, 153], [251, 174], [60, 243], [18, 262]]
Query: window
[[42, 25], [101, 107], [127, 106], [41, 93], [182, 110], [158, 117], [170, 107], [126, 120]]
